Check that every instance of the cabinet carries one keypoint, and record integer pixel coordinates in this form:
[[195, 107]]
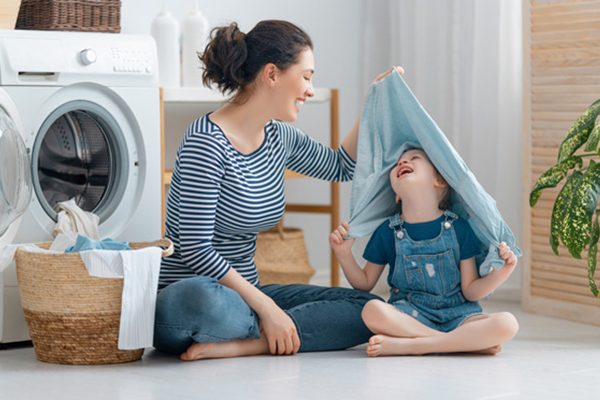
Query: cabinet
[[188, 95], [561, 72]]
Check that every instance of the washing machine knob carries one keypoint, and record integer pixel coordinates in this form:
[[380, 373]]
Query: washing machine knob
[[87, 56]]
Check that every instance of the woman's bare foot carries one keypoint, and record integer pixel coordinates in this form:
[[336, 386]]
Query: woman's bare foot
[[492, 351], [234, 348], [382, 345]]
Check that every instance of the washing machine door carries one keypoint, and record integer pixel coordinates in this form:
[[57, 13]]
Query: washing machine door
[[15, 173]]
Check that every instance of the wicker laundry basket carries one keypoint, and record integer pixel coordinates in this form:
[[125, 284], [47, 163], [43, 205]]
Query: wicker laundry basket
[[281, 256], [73, 318], [71, 15]]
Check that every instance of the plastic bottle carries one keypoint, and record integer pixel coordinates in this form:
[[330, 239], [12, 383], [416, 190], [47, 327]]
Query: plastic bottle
[[195, 35], [165, 30]]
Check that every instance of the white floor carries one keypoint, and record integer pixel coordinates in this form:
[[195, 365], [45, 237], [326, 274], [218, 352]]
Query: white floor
[[549, 359]]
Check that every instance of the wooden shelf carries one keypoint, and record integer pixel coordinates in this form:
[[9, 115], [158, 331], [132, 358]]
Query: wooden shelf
[[187, 95]]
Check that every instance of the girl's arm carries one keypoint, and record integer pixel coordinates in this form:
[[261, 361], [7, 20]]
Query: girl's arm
[[475, 288], [360, 278]]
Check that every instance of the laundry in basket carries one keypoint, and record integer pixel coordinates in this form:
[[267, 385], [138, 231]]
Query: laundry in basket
[[92, 307]]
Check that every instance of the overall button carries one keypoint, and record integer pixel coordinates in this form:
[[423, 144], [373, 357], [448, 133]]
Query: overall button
[[447, 225], [396, 290], [399, 234]]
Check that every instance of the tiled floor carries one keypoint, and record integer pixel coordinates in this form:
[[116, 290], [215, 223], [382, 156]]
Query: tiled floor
[[549, 359]]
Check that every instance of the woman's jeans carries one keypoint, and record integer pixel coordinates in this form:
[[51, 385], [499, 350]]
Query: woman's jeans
[[200, 309]]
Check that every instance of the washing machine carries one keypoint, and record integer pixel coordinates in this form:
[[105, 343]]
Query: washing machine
[[87, 106]]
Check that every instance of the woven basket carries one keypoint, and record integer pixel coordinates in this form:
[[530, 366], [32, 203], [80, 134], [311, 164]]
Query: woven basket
[[281, 256], [73, 318], [71, 15]]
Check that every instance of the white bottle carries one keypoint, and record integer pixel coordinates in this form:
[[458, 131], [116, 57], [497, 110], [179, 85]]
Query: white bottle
[[165, 30], [194, 39]]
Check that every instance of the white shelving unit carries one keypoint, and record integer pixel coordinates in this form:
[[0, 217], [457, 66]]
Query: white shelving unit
[[201, 95]]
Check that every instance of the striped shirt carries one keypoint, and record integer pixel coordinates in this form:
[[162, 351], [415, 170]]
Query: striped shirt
[[220, 198]]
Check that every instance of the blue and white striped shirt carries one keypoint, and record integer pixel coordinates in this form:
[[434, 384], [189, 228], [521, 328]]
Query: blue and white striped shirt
[[220, 199]]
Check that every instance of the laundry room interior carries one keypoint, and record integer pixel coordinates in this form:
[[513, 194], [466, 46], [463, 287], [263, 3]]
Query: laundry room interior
[[215, 199]]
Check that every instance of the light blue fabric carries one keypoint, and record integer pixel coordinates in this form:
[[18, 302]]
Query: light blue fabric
[[392, 122], [84, 243]]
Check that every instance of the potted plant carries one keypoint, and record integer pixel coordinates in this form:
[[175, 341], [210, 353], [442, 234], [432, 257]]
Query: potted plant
[[575, 213]]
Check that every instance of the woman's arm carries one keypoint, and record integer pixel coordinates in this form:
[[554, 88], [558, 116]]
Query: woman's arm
[[475, 288], [278, 327], [360, 278]]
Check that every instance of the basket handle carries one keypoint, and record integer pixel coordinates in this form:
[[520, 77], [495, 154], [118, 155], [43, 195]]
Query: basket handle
[[280, 229], [165, 244]]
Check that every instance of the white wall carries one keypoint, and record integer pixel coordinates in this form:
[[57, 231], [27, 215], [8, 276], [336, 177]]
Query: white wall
[[335, 27]]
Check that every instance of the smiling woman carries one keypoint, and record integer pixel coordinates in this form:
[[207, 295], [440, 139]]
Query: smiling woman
[[228, 185]]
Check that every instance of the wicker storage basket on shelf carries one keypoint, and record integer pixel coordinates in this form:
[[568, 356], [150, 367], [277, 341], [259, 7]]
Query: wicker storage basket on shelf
[[71, 15], [73, 318], [281, 256]]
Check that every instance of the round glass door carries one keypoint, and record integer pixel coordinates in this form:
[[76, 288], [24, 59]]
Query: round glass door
[[15, 175], [80, 154]]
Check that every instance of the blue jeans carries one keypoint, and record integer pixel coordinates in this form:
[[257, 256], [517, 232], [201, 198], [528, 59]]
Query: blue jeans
[[200, 309]]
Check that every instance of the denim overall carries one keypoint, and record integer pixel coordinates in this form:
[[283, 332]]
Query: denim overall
[[425, 281]]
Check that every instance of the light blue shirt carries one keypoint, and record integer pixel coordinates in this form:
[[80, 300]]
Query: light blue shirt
[[393, 121]]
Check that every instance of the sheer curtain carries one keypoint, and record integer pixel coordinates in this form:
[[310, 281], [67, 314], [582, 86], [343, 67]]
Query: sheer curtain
[[463, 61]]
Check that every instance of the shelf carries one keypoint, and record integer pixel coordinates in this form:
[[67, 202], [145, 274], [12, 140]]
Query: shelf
[[206, 95]]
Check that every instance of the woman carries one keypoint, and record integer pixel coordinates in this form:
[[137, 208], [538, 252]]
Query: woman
[[228, 184]]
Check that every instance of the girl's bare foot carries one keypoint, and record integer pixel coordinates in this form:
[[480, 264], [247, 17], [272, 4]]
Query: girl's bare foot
[[382, 345]]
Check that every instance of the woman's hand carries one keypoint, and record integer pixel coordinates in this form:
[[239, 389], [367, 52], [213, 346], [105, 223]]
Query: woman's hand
[[280, 331], [340, 242], [389, 71]]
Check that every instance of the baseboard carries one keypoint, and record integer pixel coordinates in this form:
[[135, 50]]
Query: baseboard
[[510, 294]]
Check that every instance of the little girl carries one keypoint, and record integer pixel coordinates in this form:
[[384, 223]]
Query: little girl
[[435, 287]]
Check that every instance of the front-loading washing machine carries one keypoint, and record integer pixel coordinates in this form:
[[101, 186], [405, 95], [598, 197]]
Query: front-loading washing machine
[[88, 108]]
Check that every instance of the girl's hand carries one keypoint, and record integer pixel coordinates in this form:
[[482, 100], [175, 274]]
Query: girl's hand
[[510, 260], [280, 331], [339, 240], [389, 71]]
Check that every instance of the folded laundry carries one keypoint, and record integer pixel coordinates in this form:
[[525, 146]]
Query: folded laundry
[[392, 121]]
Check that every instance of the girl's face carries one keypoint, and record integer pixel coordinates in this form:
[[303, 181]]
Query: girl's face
[[293, 87], [413, 171]]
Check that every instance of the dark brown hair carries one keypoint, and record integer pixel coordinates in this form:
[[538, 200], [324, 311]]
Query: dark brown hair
[[233, 59]]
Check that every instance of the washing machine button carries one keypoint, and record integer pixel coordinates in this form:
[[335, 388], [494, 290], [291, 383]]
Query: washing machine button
[[87, 56]]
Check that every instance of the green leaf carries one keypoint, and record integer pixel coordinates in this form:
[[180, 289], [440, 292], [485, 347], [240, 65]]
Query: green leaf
[[561, 206], [577, 219], [592, 253], [594, 138], [552, 177], [579, 132]]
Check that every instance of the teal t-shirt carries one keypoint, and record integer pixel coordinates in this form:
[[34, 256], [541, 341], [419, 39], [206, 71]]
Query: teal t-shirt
[[381, 248]]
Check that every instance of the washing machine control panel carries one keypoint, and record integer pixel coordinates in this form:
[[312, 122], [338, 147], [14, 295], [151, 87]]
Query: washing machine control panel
[[131, 60]]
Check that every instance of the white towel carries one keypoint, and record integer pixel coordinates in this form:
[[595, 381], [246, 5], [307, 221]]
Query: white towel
[[139, 270], [72, 219]]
